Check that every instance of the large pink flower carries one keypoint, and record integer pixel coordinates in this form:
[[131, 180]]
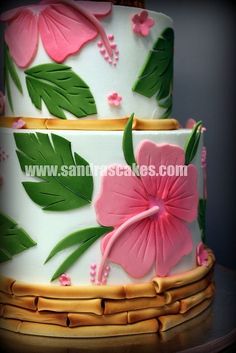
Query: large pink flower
[[149, 213], [64, 26]]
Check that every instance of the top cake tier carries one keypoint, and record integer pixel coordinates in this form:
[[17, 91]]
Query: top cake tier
[[82, 59]]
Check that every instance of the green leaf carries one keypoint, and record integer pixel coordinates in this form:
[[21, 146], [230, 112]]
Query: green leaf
[[156, 76], [202, 218], [127, 144], [10, 71], [57, 191], [13, 239], [60, 89], [77, 238], [192, 143], [85, 238]]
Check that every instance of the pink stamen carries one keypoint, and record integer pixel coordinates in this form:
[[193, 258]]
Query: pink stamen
[[103, 51], [110, 36]]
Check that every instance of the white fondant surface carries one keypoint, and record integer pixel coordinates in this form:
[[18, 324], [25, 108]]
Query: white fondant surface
[[101, 77], [47, 228]]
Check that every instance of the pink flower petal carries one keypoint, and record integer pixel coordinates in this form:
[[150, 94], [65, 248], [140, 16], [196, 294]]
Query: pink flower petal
[[143, 16], [137, 28], [64, 31], [173, 241], [11, 14], [150, 22], [190, 123], [151, 154], [120, 197], [183, 196], [21, 36], [135, 19], [144, 30], [135, 249], [98, 9]]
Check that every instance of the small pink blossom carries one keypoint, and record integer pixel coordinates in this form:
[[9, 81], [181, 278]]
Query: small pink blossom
[[114, 99], [65, 280], [142, 23], [19, 124], [202, 255], [2, 103]]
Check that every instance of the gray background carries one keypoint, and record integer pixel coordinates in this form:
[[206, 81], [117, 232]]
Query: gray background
[[204, 89]]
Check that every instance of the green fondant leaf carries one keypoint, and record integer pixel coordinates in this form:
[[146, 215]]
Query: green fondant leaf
[[57, 191], [156, 77], [13, 239], [202, 218], [10, 71], [61, 89], [127, 144], [192, 143], [85, 238], [77, 238]]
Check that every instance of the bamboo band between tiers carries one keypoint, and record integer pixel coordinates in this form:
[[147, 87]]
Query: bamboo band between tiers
[[101, 311], [94, 125]]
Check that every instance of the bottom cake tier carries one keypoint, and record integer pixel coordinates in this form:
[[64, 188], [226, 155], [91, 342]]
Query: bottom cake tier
[[105, 311]]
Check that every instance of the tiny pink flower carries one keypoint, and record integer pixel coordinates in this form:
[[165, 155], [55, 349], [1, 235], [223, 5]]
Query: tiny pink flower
[[142, 23], [65, 280], [19, 124], [202, 255], [114, 99], [2, 103]]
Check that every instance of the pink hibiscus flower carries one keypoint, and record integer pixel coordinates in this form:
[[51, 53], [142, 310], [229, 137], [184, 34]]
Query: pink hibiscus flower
[[149, 213], [64, 27], [142, 23]]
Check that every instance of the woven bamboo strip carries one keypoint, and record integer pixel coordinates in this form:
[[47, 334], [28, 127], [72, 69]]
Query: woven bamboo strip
[[188, 303], [117, 306], [95, 320], [22, 302], [30, 328], [150, 313], [169, 321], [73, 292], [183, 292], [81, 306], [141, 290], [12, 312], [90, 124]]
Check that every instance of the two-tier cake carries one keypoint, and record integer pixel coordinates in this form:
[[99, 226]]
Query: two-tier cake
[[102, 193]]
